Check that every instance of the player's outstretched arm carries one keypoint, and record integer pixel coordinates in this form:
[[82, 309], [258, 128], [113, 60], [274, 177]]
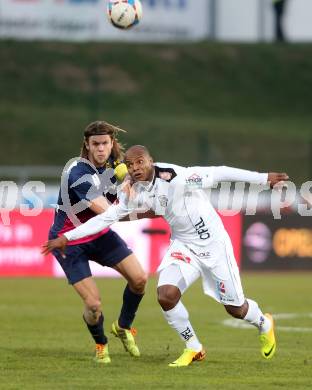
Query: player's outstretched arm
[[99, 222], [205, 177], [224, 173]]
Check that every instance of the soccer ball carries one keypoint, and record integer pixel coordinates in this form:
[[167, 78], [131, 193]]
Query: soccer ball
[[124, 13]]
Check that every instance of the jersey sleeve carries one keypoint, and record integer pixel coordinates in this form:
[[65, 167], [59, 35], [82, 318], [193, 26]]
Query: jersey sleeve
[[224, 173], [96, 224], [205, 177], [198, 177]]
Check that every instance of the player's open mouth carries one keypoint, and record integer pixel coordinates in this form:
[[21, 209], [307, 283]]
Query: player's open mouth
[[138, 176]]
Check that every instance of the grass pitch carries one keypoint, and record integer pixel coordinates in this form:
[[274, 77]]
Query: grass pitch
[[44, 343]]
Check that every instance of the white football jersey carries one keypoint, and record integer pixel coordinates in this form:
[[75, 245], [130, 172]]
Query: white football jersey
[[179, 195]]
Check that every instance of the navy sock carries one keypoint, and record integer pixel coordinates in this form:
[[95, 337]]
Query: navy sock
[[97, 331], [130, 305]]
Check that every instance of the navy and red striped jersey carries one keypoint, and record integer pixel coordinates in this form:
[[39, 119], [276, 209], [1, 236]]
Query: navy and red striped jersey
[[81, 183]]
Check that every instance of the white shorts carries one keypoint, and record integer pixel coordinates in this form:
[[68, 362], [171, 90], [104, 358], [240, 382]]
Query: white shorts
[[216, 265]]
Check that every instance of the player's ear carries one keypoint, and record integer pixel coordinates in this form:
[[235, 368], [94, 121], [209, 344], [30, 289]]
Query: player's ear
[[87, 145]]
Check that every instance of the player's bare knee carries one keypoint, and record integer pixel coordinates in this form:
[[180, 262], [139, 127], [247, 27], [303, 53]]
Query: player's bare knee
[[138, 285], [168, 296], [93, 306]]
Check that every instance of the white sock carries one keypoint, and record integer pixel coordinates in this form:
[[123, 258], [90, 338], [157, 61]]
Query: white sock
[[255, 317], [178, 319]]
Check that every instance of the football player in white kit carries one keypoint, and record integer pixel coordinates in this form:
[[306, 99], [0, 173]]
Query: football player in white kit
[[200, 246]]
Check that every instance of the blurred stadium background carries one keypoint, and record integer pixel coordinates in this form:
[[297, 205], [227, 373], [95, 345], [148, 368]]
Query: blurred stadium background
[[200, 82]]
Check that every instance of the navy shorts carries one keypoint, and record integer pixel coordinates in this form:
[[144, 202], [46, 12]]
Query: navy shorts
[[107, 250]]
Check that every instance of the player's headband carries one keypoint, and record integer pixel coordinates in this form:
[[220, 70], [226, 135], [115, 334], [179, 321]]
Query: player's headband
[[102, 128], [98, 132]]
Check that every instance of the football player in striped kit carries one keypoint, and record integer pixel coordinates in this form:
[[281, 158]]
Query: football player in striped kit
[[88, 188]]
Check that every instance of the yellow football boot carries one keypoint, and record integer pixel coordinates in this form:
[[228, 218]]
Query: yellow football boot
[[102, 354], [127, 338], [267, 340], [188, 356]]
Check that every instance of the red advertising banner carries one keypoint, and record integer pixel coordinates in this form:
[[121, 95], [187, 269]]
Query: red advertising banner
[[20, 245], [233, 225], [21, 240]]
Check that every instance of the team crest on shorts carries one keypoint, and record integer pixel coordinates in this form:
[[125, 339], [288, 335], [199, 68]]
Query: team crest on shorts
[[180, 256], [223, 294], [222, 287]]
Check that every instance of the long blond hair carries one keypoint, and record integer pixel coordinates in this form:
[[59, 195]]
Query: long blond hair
[[104, 128]]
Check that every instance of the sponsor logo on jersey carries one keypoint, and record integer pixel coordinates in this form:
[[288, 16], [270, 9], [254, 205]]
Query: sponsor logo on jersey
[[201, 229], [195, 181], [180, 256]]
